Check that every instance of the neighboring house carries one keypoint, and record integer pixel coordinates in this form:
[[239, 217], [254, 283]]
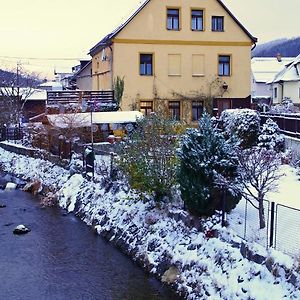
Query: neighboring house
[[263, 70], [82, 78], [173, 55], [286, 83], [35, 104], [32, 101]]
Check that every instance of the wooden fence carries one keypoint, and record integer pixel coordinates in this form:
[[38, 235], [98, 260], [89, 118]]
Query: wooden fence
[[97, 100], [289, 124]]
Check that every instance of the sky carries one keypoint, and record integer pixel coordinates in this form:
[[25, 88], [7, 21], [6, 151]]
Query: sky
[[31, 30]]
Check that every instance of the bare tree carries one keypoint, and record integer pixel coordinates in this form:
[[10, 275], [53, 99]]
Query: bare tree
[[16, 86], [258, 175]]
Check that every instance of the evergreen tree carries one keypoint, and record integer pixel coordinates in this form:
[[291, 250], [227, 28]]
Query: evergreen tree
[[205, 154], [270, 137]]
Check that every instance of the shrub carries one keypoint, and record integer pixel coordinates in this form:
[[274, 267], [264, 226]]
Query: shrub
[[244, 123], [270, 137], [205, 154], [148, 157]]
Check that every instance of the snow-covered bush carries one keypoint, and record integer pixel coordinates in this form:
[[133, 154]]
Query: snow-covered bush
[[285, 107], [244, 123], [204, 153], [148, 157], [270, 137]]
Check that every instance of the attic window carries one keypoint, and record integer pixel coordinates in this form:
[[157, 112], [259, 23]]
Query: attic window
[[197, 20], [172, 19], [217, 23]]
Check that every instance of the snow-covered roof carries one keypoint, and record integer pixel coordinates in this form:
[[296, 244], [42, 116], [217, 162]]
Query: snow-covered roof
[[53, 84], [291, 72], [34, 94], [84, 119], [38, 94], [264, 69]]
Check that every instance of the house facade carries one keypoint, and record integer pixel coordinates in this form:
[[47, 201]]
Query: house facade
[[286, 83], [177, 56]]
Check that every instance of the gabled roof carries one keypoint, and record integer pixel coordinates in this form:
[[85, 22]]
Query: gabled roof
[[82, 69], [290, 72], [108, 39], [264, 69]]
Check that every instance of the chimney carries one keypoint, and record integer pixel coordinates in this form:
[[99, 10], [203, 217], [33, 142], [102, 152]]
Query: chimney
[[279, 58]]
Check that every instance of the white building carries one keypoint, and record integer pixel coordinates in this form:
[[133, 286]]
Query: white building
[[264, 69], [286, 83]]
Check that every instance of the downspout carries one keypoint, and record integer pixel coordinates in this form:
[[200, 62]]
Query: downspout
[[281, 83], [111, 68]]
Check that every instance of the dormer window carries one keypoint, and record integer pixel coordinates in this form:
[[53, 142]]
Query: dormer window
[[173, 19], [217, 23]]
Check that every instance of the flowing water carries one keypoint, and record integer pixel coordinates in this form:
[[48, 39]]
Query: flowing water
[[62, 258]]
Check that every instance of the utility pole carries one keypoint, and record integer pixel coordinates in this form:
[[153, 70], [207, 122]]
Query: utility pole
[[18, 80]]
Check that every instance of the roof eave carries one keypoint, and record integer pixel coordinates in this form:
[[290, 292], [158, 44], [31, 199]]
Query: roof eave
[[253, 39], [98, 47]]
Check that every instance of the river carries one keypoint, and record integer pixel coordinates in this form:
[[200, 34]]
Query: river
[[62, 258]]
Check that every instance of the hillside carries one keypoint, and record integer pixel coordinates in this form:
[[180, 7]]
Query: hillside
[[286, 47], [8, 78]]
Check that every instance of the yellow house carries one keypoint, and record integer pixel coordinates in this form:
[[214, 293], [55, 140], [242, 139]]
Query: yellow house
[[177, 56]]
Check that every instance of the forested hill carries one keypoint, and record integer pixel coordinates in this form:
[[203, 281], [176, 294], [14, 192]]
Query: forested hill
[[8, 78], [286, 47]]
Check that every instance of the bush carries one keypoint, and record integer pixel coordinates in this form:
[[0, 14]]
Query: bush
[[204, 155], [285, 107], [244, 123], [270, 137], [148, 157]]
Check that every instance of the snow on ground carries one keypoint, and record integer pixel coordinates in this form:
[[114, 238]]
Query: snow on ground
[[207, 268], [287, 226], [288, 188]]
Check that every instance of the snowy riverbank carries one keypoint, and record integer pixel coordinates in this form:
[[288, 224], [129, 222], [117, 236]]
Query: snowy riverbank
[[197, 264]]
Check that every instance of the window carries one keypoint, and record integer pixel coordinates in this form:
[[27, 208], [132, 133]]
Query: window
[[198, 68], [172, 19], [217, 23], [174, 64], [146, 107], [275, 92], [174, 110], [146, 64], [224, 65], [197, 110], [197, 20]]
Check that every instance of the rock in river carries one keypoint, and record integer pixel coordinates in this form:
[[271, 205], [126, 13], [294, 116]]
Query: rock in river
[[21, 229]]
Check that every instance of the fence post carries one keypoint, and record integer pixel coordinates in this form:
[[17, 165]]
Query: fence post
[[223, 208], [111, 164], [272, 224], [245, 227]]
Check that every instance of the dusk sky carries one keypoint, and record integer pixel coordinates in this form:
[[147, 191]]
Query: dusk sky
[[69, 28]]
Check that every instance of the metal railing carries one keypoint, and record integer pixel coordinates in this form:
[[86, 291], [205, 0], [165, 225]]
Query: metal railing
[[282, 226]]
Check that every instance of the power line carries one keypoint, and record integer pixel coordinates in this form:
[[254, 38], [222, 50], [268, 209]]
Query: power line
[[40, 58]]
